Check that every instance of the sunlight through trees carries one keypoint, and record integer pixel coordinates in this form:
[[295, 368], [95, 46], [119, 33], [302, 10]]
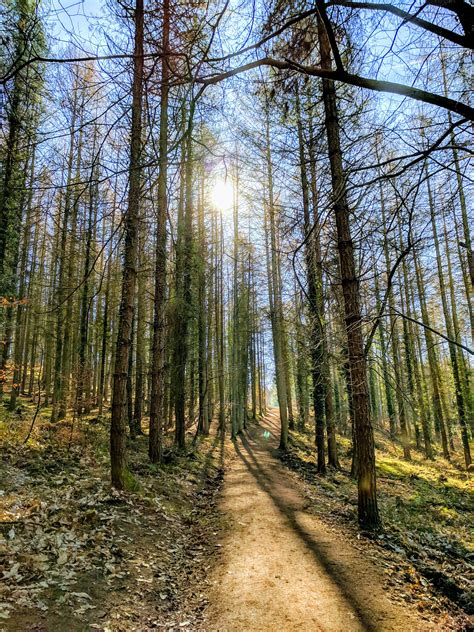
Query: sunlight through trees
[[206, 208]]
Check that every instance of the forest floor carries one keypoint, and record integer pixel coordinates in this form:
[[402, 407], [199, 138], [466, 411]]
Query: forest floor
[[427, 511], [78, 556], [229, 536]]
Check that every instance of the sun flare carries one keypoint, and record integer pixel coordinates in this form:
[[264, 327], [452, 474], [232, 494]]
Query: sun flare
[[222, 195]]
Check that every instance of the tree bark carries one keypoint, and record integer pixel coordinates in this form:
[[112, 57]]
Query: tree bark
[[155, 445], [315, 302], [367, 496], [118, 459], [275, 297]]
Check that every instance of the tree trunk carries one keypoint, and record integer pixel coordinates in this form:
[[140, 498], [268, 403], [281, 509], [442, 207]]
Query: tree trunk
[[458, 386], [433, 362], [276, 310], [397, 361], [367, 497], [155, 445], [118, 460], [183, 293], [315, 302]]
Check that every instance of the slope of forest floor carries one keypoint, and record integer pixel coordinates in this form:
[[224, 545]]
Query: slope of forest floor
[[76, 555], [427, 511]]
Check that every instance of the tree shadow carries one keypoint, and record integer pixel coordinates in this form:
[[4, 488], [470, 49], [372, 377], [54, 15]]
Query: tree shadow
[[332, 567], [212, 467]]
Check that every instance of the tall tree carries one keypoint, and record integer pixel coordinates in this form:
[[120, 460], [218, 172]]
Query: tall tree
[[155, 448], [118, 459], [275, 301], [367, 496]]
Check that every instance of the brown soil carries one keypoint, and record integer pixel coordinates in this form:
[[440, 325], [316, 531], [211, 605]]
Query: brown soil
[[284, 569]]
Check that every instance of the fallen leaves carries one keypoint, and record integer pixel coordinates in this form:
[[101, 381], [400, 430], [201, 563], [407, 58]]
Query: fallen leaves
[[72, 547]]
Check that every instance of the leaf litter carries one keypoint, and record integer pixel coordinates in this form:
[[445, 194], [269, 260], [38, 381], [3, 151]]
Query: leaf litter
[[77, 554]]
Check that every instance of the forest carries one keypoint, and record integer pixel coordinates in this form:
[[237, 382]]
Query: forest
[[236, 281]]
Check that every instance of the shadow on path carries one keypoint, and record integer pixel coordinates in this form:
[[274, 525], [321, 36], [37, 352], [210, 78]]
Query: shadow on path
[[284, 569], [253, 449]]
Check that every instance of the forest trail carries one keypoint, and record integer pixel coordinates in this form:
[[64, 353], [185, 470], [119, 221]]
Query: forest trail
[[282, 568]]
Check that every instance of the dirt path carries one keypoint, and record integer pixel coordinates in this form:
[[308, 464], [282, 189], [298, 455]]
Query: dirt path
[[283, 569]]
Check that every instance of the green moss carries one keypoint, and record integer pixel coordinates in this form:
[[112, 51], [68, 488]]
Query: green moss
[[389, 466], [447, 515], [131, 484]]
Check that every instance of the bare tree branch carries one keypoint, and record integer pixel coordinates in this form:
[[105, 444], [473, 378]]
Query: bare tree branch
[[345, 77], [434, 331], [461, 40]]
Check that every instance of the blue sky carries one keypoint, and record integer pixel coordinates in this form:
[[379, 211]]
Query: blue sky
[[72, 21]]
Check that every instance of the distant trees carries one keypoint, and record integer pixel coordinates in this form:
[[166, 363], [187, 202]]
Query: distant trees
[[20, 116], [24, 39]]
